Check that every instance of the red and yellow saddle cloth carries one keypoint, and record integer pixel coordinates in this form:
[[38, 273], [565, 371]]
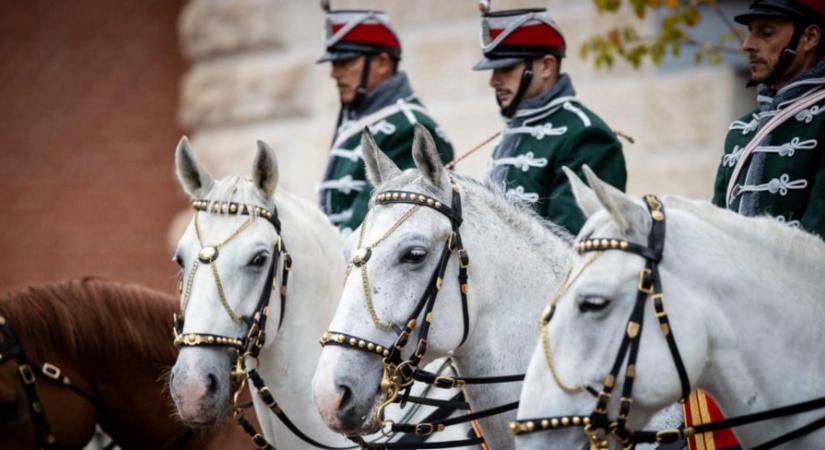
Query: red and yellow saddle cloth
[[702, 408]]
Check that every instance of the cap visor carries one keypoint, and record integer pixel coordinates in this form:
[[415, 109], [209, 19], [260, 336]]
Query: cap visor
[[496, 63], [758, 13], [336, 56]]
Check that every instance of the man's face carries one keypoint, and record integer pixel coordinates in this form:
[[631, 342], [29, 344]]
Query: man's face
[[766, 39], [347, 75], [505, 82]]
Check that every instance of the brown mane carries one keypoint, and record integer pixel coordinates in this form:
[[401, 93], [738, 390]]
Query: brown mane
[[90, 319]]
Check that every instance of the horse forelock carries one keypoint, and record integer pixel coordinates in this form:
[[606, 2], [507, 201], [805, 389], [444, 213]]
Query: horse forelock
[[237, 189], [89, 319], [518, 215]]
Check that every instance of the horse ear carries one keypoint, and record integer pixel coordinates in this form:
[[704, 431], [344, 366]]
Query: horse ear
[[585, 198], [628, 215], [426, 157], [265, 170], [380, 167], [193, 178]]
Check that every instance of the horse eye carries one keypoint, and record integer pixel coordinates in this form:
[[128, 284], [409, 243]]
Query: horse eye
[[414, 255], [593, 304], [258, 260]]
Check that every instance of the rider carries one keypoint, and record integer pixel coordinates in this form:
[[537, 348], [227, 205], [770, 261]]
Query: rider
[[782, 173], [547, 127], [365, 51]]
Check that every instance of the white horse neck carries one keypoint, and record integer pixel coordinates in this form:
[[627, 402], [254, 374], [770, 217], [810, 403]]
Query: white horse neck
[[289, 359], [517, 260], [765, 319]]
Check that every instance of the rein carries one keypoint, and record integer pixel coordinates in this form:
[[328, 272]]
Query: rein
[[28, 371], [597, 425], [399, 373]]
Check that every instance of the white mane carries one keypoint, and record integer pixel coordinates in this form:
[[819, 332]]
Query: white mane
[[517, 215], [766, 239]]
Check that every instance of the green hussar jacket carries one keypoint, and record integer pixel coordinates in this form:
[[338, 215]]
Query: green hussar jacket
[[345, 192], [561, 133], [792, 184]]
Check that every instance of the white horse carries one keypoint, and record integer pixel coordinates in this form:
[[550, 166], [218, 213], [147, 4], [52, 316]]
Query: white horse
[[516, 259], [200, 379], [744, 299]]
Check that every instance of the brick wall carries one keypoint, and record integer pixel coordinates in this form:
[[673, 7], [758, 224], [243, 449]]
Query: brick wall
[[88, 95]]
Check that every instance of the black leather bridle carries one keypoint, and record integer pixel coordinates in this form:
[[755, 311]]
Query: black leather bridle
[[399, 373], [250, 344], [597, 425], [28, 371]]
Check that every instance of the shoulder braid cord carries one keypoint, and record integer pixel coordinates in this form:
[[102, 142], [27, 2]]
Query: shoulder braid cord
[[399, 374], [597, 426]]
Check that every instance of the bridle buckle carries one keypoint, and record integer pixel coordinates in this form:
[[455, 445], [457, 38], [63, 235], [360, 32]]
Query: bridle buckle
[[644, 276], [51, 371], [26, 374], [445, 382], [669, 436], [426, 429]]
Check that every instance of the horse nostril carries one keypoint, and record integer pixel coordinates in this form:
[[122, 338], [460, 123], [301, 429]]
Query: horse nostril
[[346, 397], [211, 383]]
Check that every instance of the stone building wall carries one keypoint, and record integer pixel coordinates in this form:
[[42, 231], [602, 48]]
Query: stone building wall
[[253, 76]]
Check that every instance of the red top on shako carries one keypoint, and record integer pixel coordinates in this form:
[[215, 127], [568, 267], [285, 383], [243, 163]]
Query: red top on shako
[[510, 36], [351, 33]]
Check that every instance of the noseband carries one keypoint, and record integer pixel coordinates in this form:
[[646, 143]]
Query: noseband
[[28, 372]]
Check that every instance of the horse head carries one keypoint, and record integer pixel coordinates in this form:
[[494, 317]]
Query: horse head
[[595, 315], [228, 256], [412, 294], [393, 255]]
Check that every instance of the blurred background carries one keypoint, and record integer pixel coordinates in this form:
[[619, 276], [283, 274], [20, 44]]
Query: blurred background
[[96, 93]]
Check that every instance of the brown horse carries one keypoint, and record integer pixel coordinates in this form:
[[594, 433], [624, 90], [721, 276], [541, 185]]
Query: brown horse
[[113, 341]]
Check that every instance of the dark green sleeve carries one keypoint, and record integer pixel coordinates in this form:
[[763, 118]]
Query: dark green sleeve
[[360, 205], [398, 146], [599, 149], [720, 186], [813, 219]]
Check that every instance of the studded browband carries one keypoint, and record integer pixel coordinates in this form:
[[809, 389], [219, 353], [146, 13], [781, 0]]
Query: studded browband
[[597, 425]]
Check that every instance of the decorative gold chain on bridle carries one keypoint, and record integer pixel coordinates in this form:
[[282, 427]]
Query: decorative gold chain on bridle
[[208, 255], [545, 321], [362, 255]]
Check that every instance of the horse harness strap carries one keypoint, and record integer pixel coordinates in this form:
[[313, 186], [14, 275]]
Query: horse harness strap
[[597, 425], [28, 372], [400, 373]]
